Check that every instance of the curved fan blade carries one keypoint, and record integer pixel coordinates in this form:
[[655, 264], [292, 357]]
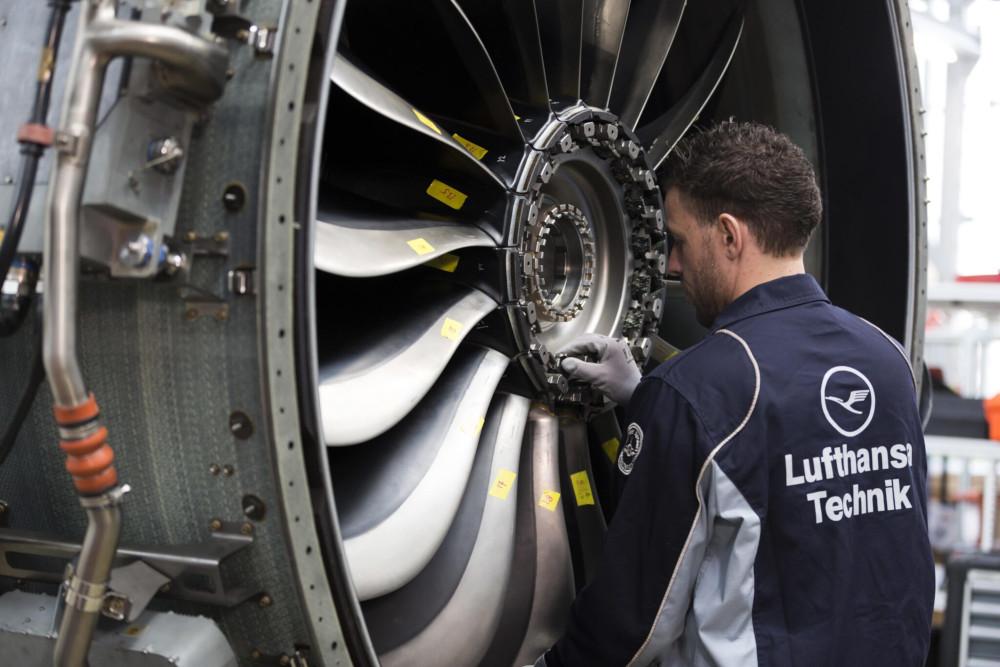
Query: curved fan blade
[[372, 244], [554, 590], [603, 29], [430, 617], [394, 164], [367, 385], [509, 30], [585, 518], [386, 556], [371, 93], [649, 33], [663, 133], [436, 61], [560, 23]]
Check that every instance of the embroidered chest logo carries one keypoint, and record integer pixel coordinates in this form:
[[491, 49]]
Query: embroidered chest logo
[[848, 400], [630, 452]]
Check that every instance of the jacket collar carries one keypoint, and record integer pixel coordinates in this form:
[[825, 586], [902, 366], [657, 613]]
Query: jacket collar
[[772, 295]]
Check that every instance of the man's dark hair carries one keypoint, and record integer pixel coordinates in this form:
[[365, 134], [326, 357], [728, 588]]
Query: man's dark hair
[[754, 173]]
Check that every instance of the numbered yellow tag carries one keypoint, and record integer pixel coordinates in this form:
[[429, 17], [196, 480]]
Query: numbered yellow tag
[[426, 121], [549, 500], [610, 448], [451, 329], [446, 262], [420, 246], [503, 484], [446, 194], [581, 488], [475, 149]]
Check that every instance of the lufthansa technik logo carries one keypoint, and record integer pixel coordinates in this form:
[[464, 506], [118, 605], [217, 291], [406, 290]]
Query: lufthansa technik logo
[[846, 397]]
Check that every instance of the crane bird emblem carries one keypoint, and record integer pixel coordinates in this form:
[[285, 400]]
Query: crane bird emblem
[[856, 397]]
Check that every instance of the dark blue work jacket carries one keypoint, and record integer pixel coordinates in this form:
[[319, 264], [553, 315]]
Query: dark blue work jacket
[[775, 511]]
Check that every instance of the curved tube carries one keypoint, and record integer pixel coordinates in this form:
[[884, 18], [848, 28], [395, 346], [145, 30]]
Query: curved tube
[[202, 64]]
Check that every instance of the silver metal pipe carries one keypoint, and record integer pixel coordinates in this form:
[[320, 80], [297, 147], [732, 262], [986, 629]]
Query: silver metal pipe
[[200, 67], [100, 38], [85, 591]]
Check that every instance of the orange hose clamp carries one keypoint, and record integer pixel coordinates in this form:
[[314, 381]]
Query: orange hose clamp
[[89, 459], [78, 413]]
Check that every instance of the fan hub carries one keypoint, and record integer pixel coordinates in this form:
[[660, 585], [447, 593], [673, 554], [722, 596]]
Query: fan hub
[[590, 237]]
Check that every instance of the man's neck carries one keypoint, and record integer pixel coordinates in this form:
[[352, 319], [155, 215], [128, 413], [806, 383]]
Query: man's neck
[[763, 272]]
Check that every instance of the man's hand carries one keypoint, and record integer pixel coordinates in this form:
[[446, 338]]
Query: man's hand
[[615, 374]]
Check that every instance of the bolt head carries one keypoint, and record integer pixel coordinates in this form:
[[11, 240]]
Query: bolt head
[[136, 252], [265, 601], [247, 528], [214, 469], [215, 524]]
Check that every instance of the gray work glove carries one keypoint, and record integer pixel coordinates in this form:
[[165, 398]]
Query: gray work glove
[[615, 374]]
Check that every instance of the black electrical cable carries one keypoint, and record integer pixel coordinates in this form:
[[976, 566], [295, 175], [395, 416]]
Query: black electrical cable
[[31, 155], [31, 152], [35, 378]]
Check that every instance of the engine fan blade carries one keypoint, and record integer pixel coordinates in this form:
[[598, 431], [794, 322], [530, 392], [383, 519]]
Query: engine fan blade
[[364, 244], [649, 32], [584, 515], [554, 587], [560, 24], [386, 556], [662, 134], [368, 385], [509, 30], [430, 616], [436, 61], [377, 97], [603, 29]]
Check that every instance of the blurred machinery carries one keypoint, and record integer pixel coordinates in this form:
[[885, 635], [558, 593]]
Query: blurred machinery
[[314, 259]]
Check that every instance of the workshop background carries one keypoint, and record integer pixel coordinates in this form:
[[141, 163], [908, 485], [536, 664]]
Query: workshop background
[[958, 49]]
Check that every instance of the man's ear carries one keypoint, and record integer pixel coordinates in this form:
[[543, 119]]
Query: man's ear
[[734, 235]]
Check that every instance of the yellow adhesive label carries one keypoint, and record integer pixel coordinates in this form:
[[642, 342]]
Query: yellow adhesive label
[[581, 488], [475, 149], [516, 117], [474, 426], [446, 262], [426, 121], [503, 484], [451, 329], [420, 246], [446, 194], [549, 500], [610, 448]]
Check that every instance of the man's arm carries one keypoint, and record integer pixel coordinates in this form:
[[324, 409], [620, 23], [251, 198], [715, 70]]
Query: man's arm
[[611, 620]]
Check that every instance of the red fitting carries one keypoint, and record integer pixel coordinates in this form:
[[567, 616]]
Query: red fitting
[[78, 413], [35, 133], [90, 459]]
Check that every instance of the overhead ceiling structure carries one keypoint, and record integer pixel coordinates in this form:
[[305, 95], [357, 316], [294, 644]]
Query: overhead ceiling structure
[[339, 405]]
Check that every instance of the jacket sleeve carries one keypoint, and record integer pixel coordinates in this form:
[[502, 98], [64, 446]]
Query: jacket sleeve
[[611, 619]]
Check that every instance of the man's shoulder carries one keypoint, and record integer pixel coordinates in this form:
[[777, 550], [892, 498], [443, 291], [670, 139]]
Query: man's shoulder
[[717, 376]]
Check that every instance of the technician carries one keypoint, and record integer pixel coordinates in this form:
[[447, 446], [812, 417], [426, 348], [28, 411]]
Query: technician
[[775, 506]]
